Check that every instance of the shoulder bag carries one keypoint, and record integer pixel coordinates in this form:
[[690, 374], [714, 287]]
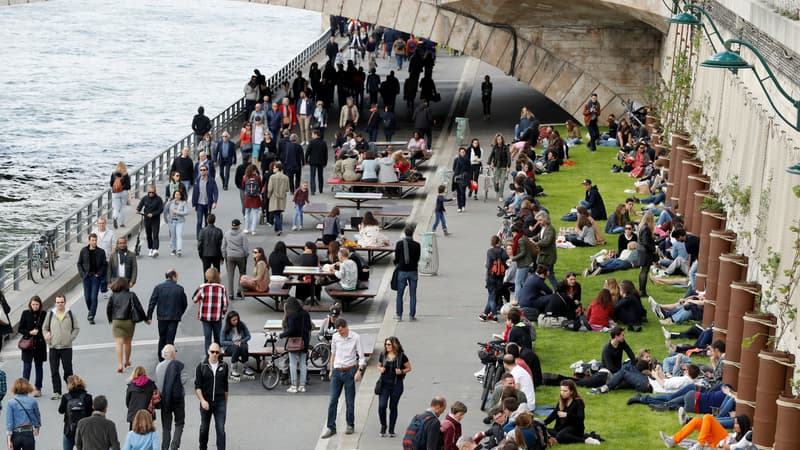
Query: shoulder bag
[[25, 343], [137, 313], [296, 344]]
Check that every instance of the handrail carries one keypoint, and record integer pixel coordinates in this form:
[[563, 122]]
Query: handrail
[[72, 229]]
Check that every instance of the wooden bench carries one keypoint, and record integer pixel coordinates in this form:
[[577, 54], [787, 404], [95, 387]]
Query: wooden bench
[[277, 293], [392, 215], [352, 298], [405, 188]]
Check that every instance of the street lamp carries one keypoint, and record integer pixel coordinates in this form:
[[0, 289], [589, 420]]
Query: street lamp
[[687, 18]]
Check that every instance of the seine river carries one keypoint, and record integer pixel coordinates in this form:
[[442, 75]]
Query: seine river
[[86, 83]]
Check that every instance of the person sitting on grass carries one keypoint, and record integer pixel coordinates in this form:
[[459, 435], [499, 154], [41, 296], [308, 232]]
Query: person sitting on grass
[[635, 373], [600, 310], [583, 235], [628, 310], [627, 259], [616, 222], [684, 310], [713, 434], [569, 417]]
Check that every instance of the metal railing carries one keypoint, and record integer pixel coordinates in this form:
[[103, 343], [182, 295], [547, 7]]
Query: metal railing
[[73, 228]]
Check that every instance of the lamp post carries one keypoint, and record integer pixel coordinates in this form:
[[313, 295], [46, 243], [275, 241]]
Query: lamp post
[[687, 18]]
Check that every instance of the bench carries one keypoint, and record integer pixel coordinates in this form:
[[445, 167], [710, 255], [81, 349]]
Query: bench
[[277, 293], [351, 298], [405, 188], [392, 215], [374, 254]]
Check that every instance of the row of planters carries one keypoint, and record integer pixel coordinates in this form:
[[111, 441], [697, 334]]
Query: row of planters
[[758, 371]]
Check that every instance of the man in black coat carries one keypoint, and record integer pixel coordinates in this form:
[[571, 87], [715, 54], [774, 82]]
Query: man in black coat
[[593, 201], [389, 90], [201, 124], [423, 122], [292, 160], [170, 377], [92, 267], [169, 302], [185, 166], [332, 49], [406, 259], [317, 159], [209, 244], [151, 206], [225, 156]]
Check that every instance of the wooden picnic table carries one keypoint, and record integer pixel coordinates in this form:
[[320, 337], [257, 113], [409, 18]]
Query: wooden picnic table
[[358, 198], [296, 244]]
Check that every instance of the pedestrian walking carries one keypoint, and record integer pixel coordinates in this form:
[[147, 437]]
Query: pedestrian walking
[[122, 263], [123, 311], [426, 426], [304, 108], [253, 187], [591, 112], [151, 206], [394, 365], [105, 240], [175, 212], [75, 405], [211, 388], [235, 249], [120, 186], [500, 161], [185, 166], [297, 330], [292, 161], [143, 435], [205, 195], [35, 352], [235, 336], [347, 365], [92, 265], [212, 304], [60, 330], [169, 302], [406, 261], [300, 199], [96, 432], [317, 159], [171, 379], [486, 97], [239, 177], [439, 211], [277, 188], [451, 428], [209, 244], [23, 420], [225, 156], [139, 394]]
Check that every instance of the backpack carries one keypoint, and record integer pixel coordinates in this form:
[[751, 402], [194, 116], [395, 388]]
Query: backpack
[[251, 188], [542, 441], [533, 247], [497, 268], [414, 439], [76, 410], [117, 186]]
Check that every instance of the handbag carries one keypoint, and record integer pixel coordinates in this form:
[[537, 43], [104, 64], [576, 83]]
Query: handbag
[[136, 313], [155, 402], [378, 385], [393, 282], [295, 344], [25, 343]]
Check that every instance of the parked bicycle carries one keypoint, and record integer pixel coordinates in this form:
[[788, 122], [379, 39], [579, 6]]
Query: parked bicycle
[[277, 366], [42, 256], [491, 355]]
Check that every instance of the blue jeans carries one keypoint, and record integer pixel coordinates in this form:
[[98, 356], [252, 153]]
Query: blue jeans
[[225, 174], [202, 215], [298, 216], [675, 399], [277, 219], [572, 141], [461, 194], [373, 134], [632, 376], [211, 330], [167, 329], [389, 396], [176, 235], [491, 300], [670, 364], [23, 440], [239, 353], [341, 380], [411, 279], [298, 359], [26, 372], [91, 286], [399, 61], [251, 216], [663, 218], [519, 279], [218, 410], [69, 444], [439, 219], [316, 170], [679, 315], [615, 264], [654, 199]]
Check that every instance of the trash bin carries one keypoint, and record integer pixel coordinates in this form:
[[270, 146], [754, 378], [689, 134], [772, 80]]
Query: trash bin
[[462, 128], [429, 254]]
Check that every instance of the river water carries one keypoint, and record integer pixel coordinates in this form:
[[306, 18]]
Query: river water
[[87, 83]]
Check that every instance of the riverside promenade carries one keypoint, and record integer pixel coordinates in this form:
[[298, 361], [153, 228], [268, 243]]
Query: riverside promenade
[[440, 345]]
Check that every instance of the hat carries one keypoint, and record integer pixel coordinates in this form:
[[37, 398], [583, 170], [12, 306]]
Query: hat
[[335, 310], [236, 223], [587, 181]]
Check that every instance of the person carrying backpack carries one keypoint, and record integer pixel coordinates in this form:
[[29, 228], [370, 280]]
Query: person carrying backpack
[[424, 432], [75, 405], [496, 267]]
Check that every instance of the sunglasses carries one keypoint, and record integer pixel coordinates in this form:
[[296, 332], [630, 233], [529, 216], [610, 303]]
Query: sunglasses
[[203, 170], [213, 352]]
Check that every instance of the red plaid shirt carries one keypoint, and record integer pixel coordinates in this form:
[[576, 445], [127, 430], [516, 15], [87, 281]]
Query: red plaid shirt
[[213, 302]]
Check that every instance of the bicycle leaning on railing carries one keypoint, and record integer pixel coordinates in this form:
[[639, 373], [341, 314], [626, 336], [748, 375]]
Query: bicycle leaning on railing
[[42, 258]]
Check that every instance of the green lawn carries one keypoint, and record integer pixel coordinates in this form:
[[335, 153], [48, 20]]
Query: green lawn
[[624, 427]]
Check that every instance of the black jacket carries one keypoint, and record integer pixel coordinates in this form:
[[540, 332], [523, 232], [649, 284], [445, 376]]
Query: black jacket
[[186, 168], [120, 306], [172, 391], [126, 180], [317, 153], [201, 124], [423, 118], [628, 310], [75, 394], [84, 262], [168, 300], [214, 385], [521, 335], [596, 206], [138, 397], [151, 205], [500, 156], [414, 251], [298, 325], [209, 242], [33, 320]]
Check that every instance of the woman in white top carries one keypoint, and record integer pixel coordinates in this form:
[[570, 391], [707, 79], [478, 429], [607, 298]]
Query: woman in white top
[[369, 232], [175, 213]]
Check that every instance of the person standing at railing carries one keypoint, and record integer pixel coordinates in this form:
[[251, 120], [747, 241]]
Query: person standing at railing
[[250, 95], [120, 185], [151, 207], [185, 166], [332, 49], [274, 121], [201, 124], [92, 266], [225, 156], [204, 197]]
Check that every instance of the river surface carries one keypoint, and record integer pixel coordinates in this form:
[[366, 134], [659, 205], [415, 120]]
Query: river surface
[[87, 83]]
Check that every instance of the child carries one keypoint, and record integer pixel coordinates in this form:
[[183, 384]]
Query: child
[[439, 211], [300, 199]]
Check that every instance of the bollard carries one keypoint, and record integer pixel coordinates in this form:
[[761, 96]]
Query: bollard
[[462, 128]]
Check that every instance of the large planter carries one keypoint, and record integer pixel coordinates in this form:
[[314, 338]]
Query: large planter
[[721, 242], [756, 332], [775, 370], [732, 267], [675, 184], [786, 433], [690, 167], [711, 220], [698, 185], [743, 297]]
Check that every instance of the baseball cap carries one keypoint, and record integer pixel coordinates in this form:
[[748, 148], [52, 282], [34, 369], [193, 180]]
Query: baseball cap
[[587, 181], [236, 223]]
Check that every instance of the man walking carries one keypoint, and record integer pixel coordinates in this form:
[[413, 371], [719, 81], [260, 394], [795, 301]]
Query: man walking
[[423, 122], [122, 263], [591, 112], [185, 166], [304, 108], [235, 250], [211, 388], [169, 302], [151, 207], [346, 368], [105, 240], [429, 425], [486, 97], [60, 330], [96, 432], [406, 258], [201, 124], [212, 304], [209, 244], [205, 195], [225, 156], [292, 159], [317, 159], [277, 188], [171, 377], [92, 266]]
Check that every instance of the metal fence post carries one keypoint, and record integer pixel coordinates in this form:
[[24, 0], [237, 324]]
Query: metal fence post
[[78, 221], [15, 271], [67, 234]]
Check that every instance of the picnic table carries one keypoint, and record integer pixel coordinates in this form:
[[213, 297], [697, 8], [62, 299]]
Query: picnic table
[[296, 244], [358, 198], [303, 271]]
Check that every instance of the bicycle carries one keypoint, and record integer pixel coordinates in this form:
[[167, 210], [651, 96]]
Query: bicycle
[[491, 355], [277, 367], [42, 256]]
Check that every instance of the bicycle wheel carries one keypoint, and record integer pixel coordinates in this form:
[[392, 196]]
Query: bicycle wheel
[[488, 385], [53, 256], [47, 262], [270, 377], [320, 355], [33, 269]]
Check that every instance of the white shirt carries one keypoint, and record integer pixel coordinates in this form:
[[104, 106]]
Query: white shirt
[[302, 110], [121, 267], [525, 382], [671, 384], [347, 351], [105, 240]]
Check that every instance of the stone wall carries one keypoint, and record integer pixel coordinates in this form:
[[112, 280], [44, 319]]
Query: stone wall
[[18, 2]]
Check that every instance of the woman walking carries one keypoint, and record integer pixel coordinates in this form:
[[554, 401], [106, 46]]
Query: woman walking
[[23, 420], [252, 198], [139, 394], [462, 173], [143, 435], [475, 163], [176, 211], [393, 364], [76, 390], [260, 279], [123, 311], [647, 249], [30, 327], [235, 337], [297, 324], [120, 185]]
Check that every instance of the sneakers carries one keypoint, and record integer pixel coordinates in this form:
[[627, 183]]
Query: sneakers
[[585, 273], [55, 396], [667, 321], [155, 253], [115, 223], [235, 373], [683, 419], [576, 365], [179, 253], [37, 393], [666, 333], [446, 233], [150, 253], [172, 253], [249, 372], [601, 390], [349, 430], [294, 227], [246, 231], [655, 307], [398, 318], [292, 389], [597, 271], [301, 388], [698, 446], [591, 441], [328, 434], [635, 399], [483, 317], [668, 441]]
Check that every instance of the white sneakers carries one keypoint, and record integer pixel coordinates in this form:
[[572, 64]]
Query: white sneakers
[[295, 389], [152, 253]]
